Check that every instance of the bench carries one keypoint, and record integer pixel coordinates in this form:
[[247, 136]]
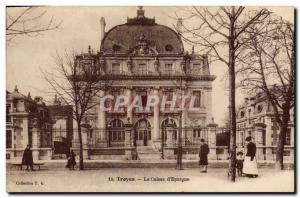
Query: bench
[[20, 165]]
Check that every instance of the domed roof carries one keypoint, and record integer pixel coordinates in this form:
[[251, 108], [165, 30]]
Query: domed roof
[[141, 34]]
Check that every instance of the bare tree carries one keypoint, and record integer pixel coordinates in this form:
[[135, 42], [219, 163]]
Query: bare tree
[[29, 21], [269, 67], [219, 32], [77, 84]]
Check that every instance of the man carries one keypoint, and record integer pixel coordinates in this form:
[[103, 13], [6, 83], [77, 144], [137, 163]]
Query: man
[[27, 158], [250, 166], [203, 152]]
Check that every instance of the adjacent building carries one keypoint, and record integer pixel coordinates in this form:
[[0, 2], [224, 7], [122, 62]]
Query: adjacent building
[[27, 122], [255, 118]]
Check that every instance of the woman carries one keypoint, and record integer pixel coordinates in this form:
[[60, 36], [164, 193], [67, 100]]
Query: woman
[[71, 160], [250, 165], [203, 152]]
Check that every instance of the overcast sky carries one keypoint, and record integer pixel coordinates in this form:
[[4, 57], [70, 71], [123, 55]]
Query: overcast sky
[[26, 56]]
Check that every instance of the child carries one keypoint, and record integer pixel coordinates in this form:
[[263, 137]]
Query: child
[[239, 163]]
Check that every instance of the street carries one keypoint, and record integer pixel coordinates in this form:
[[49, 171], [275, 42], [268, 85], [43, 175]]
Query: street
[[146, 180]]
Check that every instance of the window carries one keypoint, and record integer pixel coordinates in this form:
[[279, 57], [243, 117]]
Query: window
[[242, 114], [143, 68], [8, 117], [117, 132], [197, 132], [168, 68], [116, 68], [196, 68], [143, 95], [288, 137], [169, 48], [169, 98], [116, 47], [197, 95], [259, 108], [8, 139]]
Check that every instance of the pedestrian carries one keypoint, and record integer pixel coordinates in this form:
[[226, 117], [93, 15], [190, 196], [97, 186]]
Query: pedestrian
[[71, 160], [27, 158], [203, 152], [240, 163], [250, 165]]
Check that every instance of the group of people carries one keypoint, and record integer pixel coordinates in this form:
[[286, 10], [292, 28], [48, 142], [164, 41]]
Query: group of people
[[27, 159], [245, 165]]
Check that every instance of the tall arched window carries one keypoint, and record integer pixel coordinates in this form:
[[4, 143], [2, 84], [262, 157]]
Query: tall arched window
[[116, 132], [164, 124]]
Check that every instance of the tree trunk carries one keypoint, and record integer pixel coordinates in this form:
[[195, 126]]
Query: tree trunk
[[282, 137], [81, 167], [232, 113]]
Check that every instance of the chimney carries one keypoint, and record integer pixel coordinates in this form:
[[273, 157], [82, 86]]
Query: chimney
[[102, 29], [179, 25]]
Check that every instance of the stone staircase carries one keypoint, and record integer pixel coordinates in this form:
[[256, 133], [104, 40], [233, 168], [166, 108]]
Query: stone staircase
[[148, 153]]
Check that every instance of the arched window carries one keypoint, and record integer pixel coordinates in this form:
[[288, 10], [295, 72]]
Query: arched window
[[116, 132], [164, 124]]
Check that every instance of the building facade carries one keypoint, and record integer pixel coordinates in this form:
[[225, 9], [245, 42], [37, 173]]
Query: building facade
[[143, 58], [27, 122], [255, 118]]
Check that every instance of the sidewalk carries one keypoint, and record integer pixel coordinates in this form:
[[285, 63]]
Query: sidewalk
[[94, 164]]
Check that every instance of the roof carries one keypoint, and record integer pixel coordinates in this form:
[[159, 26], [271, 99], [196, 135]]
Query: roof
[[142, 33], [61, 110]]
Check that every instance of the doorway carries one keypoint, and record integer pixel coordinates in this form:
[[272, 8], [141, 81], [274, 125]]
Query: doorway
[[143, 132]]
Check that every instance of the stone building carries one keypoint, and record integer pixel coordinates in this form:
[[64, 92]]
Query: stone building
[[144, 58], [255, 118], [27, 122]]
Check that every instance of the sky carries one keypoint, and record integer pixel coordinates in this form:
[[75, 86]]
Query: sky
[[27, 56]]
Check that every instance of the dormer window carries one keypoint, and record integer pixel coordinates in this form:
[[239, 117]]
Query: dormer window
[[116, 68], [169, 48], [242, 114], [259, 108], [168, 68], [142, 68], [196, 67], [116, 48]]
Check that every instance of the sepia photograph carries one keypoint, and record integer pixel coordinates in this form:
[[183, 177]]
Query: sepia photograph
[[150, 99]]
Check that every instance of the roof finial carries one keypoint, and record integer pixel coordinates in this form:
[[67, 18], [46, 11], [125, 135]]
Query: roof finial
[[16, 89], [140, 12], [29, 96], [89, 49]]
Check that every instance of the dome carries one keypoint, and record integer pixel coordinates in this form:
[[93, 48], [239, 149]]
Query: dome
[[142, 34]]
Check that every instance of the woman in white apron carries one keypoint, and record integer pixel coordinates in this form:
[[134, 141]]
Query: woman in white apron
[[250, 164]]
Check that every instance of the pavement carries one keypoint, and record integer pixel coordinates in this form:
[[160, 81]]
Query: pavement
[[97, 164], [146, 180]]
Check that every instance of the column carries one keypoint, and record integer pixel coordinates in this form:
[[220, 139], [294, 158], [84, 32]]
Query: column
[[212, 130], [128, 93], [84, 135], [259, 130], [269, 154], [101, 119], [156, 117], [208, 104], [35, 146], [129, 142], [24, 133]]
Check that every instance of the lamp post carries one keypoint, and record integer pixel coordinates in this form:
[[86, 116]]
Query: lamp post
[[179, 165]]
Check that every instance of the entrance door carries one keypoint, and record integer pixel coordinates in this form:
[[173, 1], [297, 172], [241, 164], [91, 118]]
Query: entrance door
[[143, 132], [145, 138]]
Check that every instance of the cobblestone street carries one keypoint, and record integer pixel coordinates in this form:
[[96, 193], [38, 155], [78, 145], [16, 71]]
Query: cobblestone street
[[146, 180]]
